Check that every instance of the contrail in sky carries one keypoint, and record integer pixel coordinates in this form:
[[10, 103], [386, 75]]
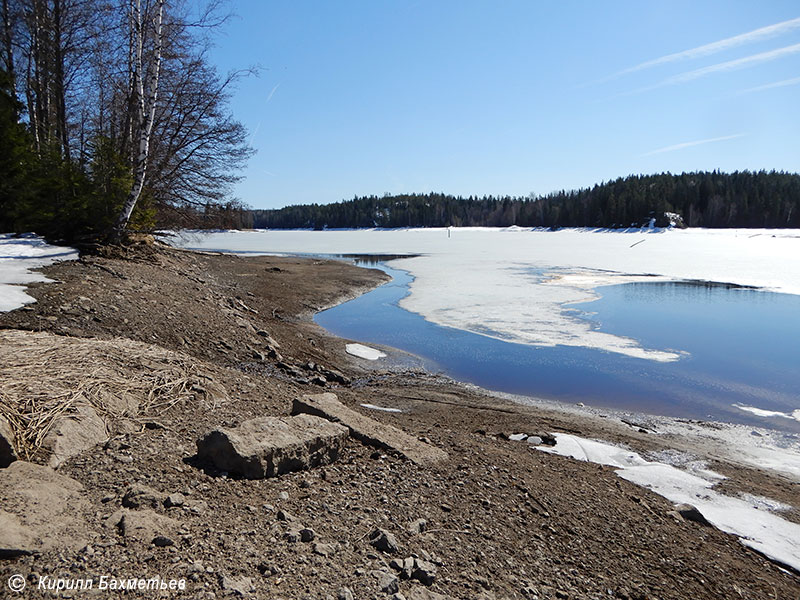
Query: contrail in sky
[[253, 135], [738, 40], [258, 126], [695, 143], [272, 93], [769, 86], [731, 65]]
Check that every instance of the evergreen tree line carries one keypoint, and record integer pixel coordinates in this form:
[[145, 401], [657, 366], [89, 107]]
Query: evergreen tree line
[[113, 118], [700, 199]]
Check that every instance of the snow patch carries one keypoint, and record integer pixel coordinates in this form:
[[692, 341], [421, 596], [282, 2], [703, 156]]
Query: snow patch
[[749, 518], [19, 255], [760, 412], [763, 503], [739, 444], [685, 461], [381, 408], [364, 352]]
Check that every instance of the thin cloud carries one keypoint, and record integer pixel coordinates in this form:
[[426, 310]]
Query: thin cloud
[[675, 147], [272, 93], [738, 40], [731, 65], [253, 135], [770, 86]]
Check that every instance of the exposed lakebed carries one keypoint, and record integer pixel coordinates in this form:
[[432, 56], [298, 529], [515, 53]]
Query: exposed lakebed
[[738, 348]]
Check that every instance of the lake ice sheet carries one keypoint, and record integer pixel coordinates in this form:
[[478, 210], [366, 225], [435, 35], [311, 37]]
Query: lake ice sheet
[[518, 285]]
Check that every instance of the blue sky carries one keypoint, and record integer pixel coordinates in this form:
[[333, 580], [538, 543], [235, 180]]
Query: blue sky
[[507, 97]]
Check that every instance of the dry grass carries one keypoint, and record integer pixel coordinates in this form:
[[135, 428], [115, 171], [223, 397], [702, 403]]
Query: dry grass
[[44, 377]]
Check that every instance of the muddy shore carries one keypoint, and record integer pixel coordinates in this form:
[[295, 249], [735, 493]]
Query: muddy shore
[[502, 519]]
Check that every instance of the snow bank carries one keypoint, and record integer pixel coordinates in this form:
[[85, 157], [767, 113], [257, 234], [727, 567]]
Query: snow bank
[[516, 284], [381, 408], [18, 256], [364, 352], [748, 518]]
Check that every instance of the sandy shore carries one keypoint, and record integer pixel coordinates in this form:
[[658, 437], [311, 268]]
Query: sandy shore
[[503, 520]]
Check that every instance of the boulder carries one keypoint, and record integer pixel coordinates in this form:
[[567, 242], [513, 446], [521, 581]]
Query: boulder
[[283, 515], [383, 541], [324, 549], [292, 535], [367, 430], [334, 375], [344, 593], [239, 586], [7, 440], [41, 509], [144, 526], [14, 538], [417, 526], [690, 513], [424, 571], [141, 496], [387, 582], [270, 446], [73, 433], [175, 500], [404, 565]]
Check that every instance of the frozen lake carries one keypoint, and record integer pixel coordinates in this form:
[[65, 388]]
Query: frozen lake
[[725, 372], [599, 317]]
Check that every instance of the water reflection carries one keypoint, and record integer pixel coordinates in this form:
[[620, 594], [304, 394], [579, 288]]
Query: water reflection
[[372, 260]]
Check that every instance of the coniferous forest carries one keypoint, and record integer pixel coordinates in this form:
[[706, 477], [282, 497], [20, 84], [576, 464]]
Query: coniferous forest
[[112, 118], [702, 199]]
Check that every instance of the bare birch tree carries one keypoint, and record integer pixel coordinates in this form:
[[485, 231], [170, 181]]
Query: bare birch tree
[[124, 108], [145, 95]]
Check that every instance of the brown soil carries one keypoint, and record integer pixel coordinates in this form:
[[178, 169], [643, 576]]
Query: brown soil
[[504, 520]]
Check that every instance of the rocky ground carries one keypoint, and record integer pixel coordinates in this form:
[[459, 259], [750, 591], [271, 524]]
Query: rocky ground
[[234, 339]]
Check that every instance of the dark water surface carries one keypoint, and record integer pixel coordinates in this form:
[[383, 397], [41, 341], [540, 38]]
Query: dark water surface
[[743, 348]]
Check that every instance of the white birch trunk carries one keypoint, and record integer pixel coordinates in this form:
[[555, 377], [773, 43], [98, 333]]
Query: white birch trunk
[[146, 106]]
